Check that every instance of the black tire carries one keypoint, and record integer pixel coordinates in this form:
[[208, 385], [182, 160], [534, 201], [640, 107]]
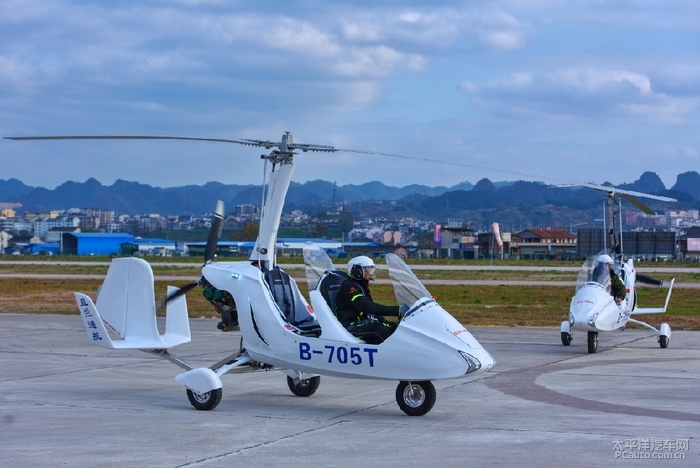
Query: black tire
[[415, 398], [304, 388], [205, 401], [663, 341], [566, 338], [592, 342]]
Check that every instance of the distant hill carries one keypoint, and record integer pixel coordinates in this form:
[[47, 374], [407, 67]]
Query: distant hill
[[688, 182], [135, 198], [485, 199]]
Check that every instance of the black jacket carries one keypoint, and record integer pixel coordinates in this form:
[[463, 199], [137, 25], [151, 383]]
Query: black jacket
[[355, 303]]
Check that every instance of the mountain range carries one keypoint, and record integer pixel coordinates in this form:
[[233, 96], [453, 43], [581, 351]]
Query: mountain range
[[525, 198]]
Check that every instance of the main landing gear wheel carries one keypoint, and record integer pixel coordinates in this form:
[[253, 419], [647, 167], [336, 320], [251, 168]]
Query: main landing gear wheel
[[304, 388], [205, 401], [566, 338], [663, 341], [415, 398], [592, 342]]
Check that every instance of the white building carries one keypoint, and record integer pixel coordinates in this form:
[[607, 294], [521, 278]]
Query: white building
[[42, 225]]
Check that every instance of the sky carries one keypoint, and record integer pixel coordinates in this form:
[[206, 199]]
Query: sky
[[583, 90]]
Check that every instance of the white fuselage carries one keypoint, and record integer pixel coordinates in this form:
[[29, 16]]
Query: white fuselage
[[594, 309], [429, 344]]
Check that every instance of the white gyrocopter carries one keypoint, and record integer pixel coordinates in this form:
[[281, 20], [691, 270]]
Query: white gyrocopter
[[593, 309], [279, 329]]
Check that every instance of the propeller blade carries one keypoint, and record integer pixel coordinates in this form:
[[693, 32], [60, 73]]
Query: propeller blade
[[163, 301], [649, 280], [217, 226], [637, 203]]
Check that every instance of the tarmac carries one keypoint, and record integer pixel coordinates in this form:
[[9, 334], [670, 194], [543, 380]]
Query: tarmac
[[66, 402]]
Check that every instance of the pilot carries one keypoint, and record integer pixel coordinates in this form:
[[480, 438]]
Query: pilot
[[356, 310], [617, 287]]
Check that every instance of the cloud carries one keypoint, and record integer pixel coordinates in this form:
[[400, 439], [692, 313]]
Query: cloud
[[582, 93], [382, 74]]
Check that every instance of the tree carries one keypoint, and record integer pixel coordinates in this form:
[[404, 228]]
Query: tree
[[426, 241], [319, 230], [345, 222], [249, 231]]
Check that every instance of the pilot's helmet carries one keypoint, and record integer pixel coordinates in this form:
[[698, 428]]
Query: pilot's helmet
[[358, 265], [605, 259]]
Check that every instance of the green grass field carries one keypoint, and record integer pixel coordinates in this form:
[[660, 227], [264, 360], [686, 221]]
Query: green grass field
[[513, 306]]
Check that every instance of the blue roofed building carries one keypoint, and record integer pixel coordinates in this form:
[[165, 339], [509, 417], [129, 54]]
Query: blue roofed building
[[48, 248], [94, 243]]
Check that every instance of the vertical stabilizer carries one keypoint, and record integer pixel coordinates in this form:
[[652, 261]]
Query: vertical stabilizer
[[127, 309]]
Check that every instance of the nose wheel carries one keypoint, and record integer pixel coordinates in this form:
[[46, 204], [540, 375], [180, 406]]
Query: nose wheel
[[415, 398], [566, 338], [592, 342]]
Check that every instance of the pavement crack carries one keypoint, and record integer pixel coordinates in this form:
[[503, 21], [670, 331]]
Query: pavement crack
[[261, 444]]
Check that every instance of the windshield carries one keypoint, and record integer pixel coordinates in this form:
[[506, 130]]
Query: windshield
[[594, 271], [407, 287], [317, 262]]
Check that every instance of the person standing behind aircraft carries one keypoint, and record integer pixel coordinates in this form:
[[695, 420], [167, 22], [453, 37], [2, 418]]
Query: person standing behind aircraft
[[356, 310]]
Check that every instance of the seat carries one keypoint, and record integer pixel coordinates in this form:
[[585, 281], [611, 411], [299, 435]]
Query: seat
[[323, 299], [288, 300]]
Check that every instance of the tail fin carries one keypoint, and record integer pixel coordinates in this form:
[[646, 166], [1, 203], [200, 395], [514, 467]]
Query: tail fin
[[127, 308], [95, 328]]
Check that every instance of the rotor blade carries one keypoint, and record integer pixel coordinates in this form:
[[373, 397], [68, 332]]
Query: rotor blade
[[243, 141], [516, 173], [649, 280], [127, 137], [163, 301], [638, 204], [330, 149], [217, 225]]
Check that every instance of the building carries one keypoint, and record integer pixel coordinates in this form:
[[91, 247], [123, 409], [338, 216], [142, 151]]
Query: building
[[643, 245], [4, 241], [154, 246], [93, 243], [245, 211], [456, 243], [489, 248], [43, 225], [286, 247], [545, 243], [689, 244]]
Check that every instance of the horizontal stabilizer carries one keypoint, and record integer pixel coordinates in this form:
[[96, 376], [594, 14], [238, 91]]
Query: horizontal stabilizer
[[656, 310]]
